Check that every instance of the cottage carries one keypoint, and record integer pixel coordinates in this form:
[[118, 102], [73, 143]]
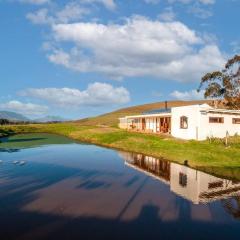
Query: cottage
[[197, 122]]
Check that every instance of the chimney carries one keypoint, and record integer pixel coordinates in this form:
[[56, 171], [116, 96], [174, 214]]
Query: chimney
[[166, 105]]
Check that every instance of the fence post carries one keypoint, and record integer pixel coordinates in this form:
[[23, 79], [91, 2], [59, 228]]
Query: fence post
[[226, 138]]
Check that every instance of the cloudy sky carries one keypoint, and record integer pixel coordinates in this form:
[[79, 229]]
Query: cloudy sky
[[81, 58]]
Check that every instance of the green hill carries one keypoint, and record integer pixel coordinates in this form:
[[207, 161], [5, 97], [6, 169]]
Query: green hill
[[111, 119]]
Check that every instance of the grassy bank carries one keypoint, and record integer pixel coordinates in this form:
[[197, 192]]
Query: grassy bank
[[199, 154]]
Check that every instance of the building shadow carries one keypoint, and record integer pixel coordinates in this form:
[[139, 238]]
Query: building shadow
[[148, 225]]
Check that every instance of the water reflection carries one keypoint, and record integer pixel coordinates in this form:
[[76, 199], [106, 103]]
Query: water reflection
[[75, 191], [232, 206], [22, 141], [194, 185]]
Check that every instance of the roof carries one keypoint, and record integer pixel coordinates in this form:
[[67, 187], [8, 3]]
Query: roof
[[163, 112], [222, 111], [159, 110], [202, 106], [150, 115]]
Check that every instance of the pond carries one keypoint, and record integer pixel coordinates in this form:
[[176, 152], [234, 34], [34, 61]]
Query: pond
[[54, 188]]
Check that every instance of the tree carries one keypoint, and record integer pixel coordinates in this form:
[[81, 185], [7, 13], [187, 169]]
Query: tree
[[224, 85], [4, 121]]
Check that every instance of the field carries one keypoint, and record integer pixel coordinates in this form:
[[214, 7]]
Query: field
[[212, 157]]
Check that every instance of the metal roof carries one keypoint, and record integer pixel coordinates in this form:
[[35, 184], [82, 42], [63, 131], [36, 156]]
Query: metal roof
[[160, 110], [150, 115]]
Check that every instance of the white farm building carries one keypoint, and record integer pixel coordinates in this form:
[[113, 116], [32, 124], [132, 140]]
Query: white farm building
[[197, 122]]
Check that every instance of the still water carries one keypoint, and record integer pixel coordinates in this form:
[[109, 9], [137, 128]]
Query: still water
[[54, 188]]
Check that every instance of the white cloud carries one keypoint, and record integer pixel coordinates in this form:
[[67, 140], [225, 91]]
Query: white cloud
[[40, 17], [24, 108], [199, 8], [139, 47], [152, 1], [56, 13], [110, 4], [200, 12], [167, 15], [37, 2], [70, 12], [235, 46], [97, 94], [188, 95], [205, 2]]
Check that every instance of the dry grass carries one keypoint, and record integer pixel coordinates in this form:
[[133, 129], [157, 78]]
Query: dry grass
[[111, 119]]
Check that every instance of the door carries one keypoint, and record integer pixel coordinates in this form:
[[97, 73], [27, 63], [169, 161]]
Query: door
[[143, 124]]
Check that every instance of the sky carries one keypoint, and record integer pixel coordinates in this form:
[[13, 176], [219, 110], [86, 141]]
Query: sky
[[80, 58]]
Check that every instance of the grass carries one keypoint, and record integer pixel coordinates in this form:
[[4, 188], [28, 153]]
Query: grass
[[199, 154]]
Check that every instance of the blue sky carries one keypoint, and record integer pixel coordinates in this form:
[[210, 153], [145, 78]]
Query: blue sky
[[80, 58]]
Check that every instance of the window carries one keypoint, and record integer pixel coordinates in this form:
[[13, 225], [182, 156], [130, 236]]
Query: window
[[217, 184], [183, 122], [182, 179], [216, 120], [236, 120]]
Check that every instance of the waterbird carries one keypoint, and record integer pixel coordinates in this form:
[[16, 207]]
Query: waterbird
[[15, 162], [22, 163]]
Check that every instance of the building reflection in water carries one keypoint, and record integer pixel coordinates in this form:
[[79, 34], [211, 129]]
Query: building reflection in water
[[193, 185]]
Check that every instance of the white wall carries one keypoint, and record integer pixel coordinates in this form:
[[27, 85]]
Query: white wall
[[193, 115], [199, 127], [218, 129], [123, 123], [191, 190], [198, 185]]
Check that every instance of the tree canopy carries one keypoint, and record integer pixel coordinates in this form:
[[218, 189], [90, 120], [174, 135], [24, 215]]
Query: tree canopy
[[224, 85]]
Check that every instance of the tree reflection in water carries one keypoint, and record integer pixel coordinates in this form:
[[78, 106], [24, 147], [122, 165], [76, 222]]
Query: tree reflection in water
[[232, 206]]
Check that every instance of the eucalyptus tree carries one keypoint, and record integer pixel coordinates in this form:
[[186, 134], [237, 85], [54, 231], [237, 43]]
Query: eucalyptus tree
[[224, 85]]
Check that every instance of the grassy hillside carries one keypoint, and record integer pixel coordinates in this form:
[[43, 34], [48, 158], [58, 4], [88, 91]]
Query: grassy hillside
[[111, 119]]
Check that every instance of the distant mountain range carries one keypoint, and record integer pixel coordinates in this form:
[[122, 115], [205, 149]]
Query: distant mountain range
[[13, 116], [50, 119]]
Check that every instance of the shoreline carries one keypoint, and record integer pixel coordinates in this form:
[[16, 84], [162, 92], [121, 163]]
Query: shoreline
[[203, 156]]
